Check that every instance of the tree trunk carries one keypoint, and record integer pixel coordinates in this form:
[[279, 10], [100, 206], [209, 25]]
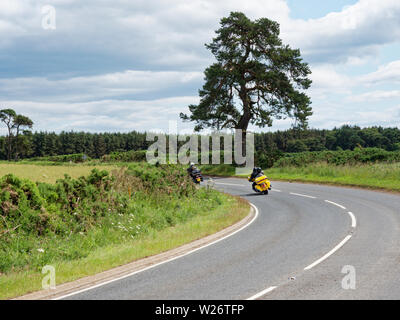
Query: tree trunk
[[16, 144], [243, 126], [245, 119], [9, 145]]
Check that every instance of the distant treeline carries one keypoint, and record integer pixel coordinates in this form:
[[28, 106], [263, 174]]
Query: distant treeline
[[94, 145], [271, 144], [344, 138]]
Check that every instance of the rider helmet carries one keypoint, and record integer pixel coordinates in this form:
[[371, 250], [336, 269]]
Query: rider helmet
[[257, 169]]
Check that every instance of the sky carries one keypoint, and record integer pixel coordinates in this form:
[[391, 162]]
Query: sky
[[118, 66]]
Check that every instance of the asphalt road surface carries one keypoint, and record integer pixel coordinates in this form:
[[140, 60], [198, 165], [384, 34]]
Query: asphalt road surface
[[307, 242]]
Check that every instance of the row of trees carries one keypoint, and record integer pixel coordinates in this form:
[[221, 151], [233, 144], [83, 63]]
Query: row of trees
[[345, 138], [95, 145], [17, 130]]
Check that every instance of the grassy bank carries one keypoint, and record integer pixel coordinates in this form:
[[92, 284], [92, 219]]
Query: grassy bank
[[87, 225], [378, 176], [375, 175]]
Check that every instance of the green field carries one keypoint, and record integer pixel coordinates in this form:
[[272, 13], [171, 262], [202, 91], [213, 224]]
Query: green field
[[48, 173], [87, 225]]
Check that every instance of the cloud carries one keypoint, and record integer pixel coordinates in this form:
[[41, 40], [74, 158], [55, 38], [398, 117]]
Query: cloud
[[326, 80], [389, 118], [111, 65], [388, 73], [104, 115], [119, 84], [156, 34], [330, 115], [377, 95], [355, 32], [145, 34]]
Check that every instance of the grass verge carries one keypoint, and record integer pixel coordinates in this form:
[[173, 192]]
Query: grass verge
[[380, 176], [384, 176], [203, 222]]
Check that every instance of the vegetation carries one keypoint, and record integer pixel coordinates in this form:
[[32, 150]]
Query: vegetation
[[15, 123], [71, 158], [372, 167], [74, 219], [128, 156], [376, 176], [218, 170], [341, 157], [270, 146], [49, 172], [255, 68], [41, 215]]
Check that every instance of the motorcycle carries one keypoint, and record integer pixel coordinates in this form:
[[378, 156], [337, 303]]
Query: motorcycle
[[261, 184], [196, 176]]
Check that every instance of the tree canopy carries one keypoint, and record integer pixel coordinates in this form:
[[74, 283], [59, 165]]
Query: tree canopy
[[256, 78], [15, 123]]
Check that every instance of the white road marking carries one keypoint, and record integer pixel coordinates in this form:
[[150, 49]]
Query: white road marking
[[262, 293], [353, 220], [241, 185], [230, 184], [336, 204], [302, 195], [166, 261], [341, 244]]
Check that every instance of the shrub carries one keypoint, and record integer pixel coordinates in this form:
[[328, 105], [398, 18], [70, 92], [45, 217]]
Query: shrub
[[128, 156], [71, 217], [339, 157], [75, 158]]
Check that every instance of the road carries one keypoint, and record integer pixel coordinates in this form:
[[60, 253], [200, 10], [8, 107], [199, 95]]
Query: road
[[307, 242]]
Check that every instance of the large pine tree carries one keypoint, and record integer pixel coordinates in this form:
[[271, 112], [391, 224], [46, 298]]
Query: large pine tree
[[256, 78]]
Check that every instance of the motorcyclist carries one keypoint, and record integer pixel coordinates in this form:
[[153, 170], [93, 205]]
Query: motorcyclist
[[191, 168], [257, 172], [194, 172]]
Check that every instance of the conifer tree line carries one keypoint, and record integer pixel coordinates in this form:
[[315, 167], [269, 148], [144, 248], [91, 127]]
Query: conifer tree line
[[20, 142]]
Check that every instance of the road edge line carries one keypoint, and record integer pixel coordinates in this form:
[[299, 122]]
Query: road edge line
[[103, 278], [262, 293], [326, 256]]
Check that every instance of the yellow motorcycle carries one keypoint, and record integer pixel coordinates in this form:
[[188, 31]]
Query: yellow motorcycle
[[261, 184]]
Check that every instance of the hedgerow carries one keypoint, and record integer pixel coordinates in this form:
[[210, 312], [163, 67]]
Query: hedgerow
[[340, 157], [74, 158], [41, 223]]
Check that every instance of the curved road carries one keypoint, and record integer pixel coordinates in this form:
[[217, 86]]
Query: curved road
[[306, 242]]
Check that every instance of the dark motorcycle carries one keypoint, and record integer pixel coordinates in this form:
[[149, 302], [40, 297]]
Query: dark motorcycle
[[196, 176]]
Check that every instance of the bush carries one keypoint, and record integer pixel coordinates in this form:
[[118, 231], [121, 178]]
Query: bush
[[71, 217], [129, 156], [340, 157], [75, 158]]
